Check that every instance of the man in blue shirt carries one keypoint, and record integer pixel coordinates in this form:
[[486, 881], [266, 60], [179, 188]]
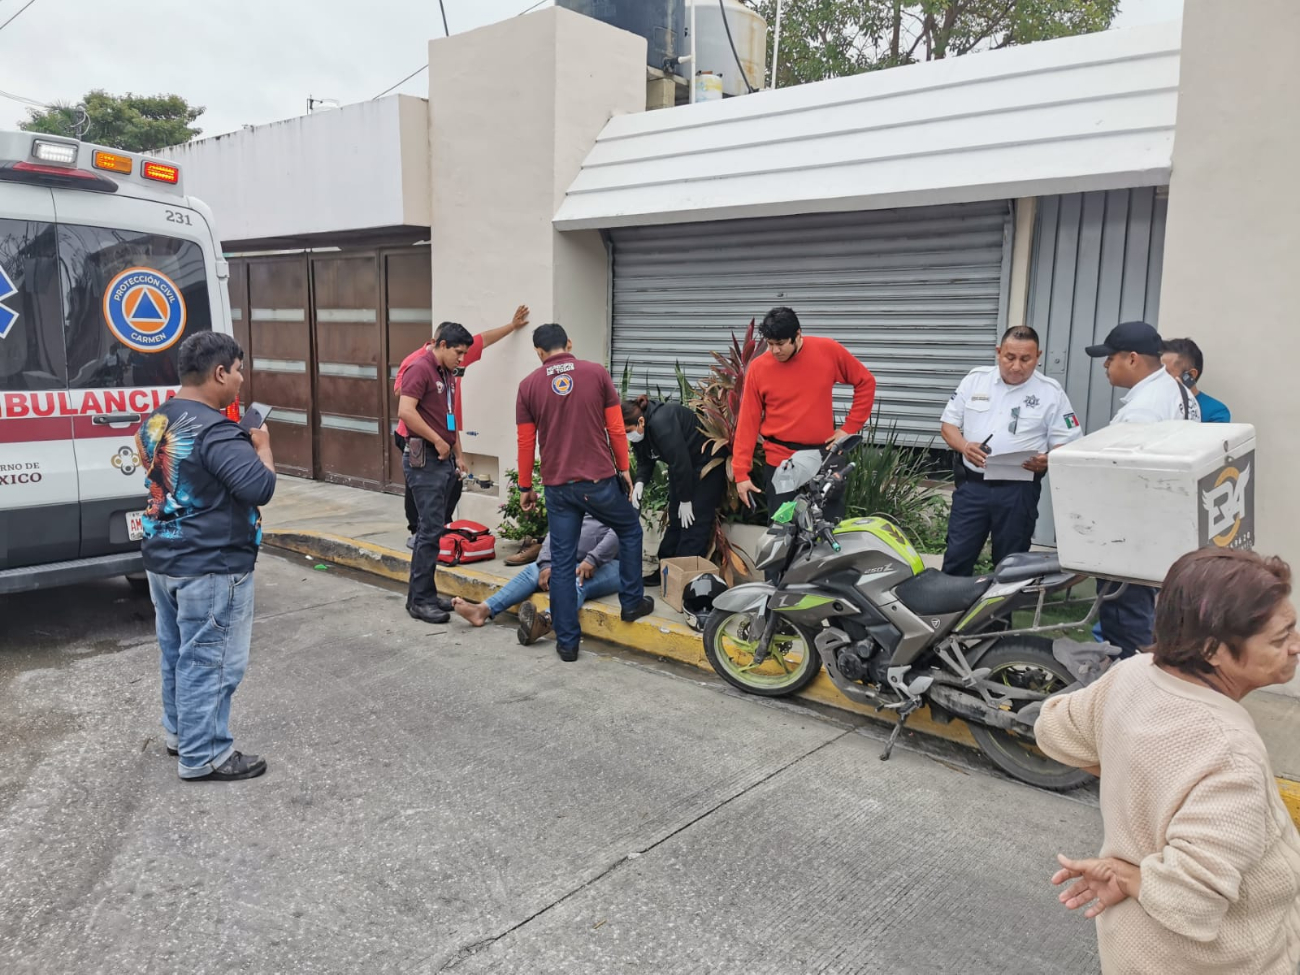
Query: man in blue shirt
[[1183, 360], [206, 477]]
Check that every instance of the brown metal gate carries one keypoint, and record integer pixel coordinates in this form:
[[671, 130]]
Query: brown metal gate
[[281, 345], [349, 391], [323, 335], [408, 297]]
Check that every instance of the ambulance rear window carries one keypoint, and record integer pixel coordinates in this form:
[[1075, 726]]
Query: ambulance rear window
[[129, 300], [31, 325]]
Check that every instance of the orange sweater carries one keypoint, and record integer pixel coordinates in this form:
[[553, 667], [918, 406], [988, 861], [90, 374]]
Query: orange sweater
[[792, 400]]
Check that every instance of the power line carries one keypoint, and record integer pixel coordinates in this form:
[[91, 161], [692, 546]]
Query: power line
[[423, 67], [17, 15], [24, 100]]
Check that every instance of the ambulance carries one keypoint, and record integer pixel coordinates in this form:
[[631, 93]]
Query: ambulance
[[106, 267]]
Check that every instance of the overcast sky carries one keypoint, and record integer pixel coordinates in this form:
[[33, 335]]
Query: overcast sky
[[254, 61]]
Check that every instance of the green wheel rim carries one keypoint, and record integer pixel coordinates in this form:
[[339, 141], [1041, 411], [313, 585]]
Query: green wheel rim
[[787, 662]]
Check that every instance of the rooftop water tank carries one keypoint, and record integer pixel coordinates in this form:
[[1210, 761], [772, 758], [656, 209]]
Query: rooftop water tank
[[748, 30], [661, 22]]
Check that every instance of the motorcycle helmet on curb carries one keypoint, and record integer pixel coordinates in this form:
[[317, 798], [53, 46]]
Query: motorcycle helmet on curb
[[698, 597]]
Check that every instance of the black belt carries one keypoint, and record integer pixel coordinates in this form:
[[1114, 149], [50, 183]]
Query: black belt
[[788, 445]]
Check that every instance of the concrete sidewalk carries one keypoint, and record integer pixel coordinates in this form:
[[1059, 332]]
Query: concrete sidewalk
[[366, 531]]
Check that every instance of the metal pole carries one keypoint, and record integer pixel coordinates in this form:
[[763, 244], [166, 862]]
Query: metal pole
[[776, 45], [695, 65]]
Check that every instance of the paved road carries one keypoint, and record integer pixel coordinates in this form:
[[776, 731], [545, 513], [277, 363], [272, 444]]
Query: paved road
[[441, 799]]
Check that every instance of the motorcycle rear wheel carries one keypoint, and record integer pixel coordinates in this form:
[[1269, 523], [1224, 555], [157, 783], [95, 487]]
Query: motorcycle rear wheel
[[730, 640], [1026, 662]]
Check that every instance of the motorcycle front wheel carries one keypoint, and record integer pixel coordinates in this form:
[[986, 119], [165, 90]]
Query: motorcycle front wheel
[[731, 640], [1026, 663]]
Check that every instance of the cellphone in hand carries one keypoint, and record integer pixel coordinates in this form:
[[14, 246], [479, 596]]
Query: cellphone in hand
[[255, 416]]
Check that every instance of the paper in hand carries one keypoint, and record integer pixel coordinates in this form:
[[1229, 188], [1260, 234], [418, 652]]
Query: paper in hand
[[1009, 467]]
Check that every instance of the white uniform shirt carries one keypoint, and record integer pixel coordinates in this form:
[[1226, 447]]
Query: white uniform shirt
[[1036, 415], [1158, 397]]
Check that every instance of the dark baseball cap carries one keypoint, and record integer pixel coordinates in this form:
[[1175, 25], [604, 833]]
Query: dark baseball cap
[[1136, 337]]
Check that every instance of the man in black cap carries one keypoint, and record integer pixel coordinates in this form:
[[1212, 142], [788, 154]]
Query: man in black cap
[[1132, 351]]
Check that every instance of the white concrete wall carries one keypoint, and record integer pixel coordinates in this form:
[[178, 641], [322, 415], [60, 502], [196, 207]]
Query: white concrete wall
[[355, 168], [505, 149], [1232, 250]]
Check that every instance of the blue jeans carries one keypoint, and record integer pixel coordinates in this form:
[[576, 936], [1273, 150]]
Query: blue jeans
[[565, 506], [205, 624], [1129, 621], [514, 592]]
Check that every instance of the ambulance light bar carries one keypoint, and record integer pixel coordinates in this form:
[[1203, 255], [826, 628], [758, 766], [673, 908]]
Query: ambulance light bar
[[54, 152], [112, 162], [57, 176], [161, 172]]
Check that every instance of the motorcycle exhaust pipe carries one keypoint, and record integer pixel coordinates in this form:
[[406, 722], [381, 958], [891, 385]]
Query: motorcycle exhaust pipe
[[970, 708]]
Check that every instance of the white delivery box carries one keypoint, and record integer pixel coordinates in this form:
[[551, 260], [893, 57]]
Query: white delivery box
[[1128, 500]]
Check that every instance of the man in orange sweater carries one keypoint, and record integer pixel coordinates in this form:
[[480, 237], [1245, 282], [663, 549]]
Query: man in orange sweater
[[787, 399]]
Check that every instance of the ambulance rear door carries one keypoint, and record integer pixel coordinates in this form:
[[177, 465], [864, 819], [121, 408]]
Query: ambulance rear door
[[138, 278], [39, 521]]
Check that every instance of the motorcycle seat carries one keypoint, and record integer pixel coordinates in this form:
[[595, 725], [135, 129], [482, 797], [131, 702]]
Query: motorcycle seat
[[933, 594], [1021, 566]]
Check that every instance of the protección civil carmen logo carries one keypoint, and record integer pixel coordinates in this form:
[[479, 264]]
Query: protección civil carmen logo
[[144, 309]]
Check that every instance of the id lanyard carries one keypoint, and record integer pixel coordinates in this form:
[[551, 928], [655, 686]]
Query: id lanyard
[[451, 400]]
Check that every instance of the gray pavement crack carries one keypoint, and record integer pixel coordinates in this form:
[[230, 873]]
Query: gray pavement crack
[[467, 951], [307, 609]]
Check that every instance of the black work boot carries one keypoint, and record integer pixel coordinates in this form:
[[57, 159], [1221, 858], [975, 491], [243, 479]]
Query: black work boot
[[646, 607]]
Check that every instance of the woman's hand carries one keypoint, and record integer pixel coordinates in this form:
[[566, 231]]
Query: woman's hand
[[1100, 883]]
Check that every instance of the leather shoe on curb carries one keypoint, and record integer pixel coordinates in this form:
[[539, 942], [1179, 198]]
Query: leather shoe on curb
[[532, 624], [428, 613], [645, 609], [526, 555], [566, 654], [237, 766]]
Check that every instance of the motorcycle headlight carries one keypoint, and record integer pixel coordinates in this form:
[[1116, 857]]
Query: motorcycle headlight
[[772, 548]]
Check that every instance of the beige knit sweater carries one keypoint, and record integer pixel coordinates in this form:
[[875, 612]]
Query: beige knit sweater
[[1187, 793]]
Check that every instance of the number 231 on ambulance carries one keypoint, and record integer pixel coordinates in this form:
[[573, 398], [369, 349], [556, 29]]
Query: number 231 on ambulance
[[106, 266]]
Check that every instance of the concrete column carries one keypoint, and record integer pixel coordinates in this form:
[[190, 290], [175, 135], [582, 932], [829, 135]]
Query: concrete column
[[514, 109], [1232, 252], [1022, 255]]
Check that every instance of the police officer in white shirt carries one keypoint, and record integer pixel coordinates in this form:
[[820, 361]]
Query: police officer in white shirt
[[1005, 408], [1132, 353]]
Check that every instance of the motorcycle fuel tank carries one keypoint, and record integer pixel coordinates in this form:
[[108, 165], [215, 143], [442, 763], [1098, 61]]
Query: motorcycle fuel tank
[[873, 547]]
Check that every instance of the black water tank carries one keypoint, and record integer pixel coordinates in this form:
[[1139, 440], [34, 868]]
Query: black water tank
[[661, 22]]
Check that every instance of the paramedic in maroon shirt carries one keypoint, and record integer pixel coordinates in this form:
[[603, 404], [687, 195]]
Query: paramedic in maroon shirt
[[571, 406], [427, 407]]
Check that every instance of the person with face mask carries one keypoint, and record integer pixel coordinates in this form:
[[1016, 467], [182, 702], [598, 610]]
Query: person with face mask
[[1002, 408], [671, 432]]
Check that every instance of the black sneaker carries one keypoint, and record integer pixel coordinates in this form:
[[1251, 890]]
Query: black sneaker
[[428, 613], [567, 654], [173, 752], [237, 766], [646, 607]]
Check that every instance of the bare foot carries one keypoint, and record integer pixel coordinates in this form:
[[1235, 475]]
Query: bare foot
[[476, 613]]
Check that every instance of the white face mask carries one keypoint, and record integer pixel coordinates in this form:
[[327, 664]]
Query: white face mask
[[635, 436]]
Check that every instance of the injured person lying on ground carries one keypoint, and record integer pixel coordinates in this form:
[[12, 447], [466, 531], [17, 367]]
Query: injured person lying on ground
[[597, 576]]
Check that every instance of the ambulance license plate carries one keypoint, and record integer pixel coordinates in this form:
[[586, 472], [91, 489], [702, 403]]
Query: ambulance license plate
[[135, 525]]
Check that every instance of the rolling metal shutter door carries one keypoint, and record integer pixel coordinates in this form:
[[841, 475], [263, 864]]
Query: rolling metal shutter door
[[916, 294]]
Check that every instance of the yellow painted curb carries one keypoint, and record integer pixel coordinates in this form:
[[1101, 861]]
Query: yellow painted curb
[[652, 635]]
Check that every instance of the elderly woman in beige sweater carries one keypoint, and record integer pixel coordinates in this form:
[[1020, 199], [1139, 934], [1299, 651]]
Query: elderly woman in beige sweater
[[1199, 871]]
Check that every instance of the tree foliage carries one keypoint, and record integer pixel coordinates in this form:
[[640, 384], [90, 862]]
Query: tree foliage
[[136, 123], [832, 38]]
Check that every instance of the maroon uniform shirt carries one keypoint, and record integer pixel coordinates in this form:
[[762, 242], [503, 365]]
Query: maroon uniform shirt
[[571, 405], [434, 390]]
